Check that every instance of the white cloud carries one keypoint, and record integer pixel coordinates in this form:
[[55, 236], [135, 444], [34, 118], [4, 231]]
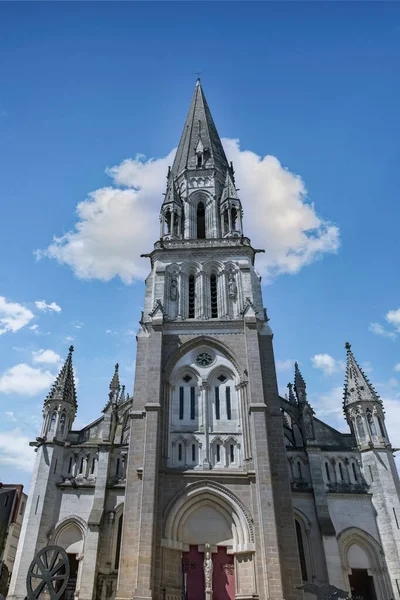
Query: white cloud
[[78, 325], [327, 363], [116, 225], [46, 356], [396, 367], [15, 450], [10, 414], [393, 317], [13, 316], [329, 406], [34, 327], [25, 380], [378, 329], [44, 306], [285, 365]]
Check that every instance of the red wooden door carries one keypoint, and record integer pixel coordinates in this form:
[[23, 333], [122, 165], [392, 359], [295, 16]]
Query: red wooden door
[[223, 575], [193, 574]]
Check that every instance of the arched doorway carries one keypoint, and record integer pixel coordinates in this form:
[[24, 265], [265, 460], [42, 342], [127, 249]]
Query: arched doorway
[[70, 538], [362, 563], [205, 528]]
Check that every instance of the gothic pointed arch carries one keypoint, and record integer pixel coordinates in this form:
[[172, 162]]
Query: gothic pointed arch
[[211, 496]]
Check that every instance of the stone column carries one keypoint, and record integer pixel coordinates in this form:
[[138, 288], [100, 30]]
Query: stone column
[[208, 569], [91, 548], [206, 422]]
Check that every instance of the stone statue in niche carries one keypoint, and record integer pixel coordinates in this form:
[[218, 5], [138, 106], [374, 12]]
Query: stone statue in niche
[[208, 567], [232, 286], [173, 290]]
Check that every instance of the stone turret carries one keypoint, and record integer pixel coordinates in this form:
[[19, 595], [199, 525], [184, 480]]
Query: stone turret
[[60, 405], [362, 406]]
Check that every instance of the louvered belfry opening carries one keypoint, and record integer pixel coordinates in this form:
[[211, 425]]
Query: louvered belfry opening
[[191, 297], [214, 296], [201, 221]]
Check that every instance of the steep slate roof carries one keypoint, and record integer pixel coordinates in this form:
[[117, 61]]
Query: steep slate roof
[[357, 387], [199, 127], [63, 389]]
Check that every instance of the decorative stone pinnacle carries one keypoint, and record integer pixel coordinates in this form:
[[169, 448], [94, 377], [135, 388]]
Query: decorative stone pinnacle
[[347, 346], [71, 349]]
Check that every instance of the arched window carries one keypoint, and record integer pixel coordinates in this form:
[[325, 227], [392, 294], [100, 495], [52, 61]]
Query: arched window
[[371, 423], [119, 538], [226, 221], [179, 452], [201, 221], [341, 471], [232, 453], [353, 466], [300, 545], [328, 473], [214, 296], [234, 218], [299, 471], [62, 423], [70, 465], [167, 222], [52, 421], [93, 466], [360, 427], [381, 427], [191, 297], [176, 223]]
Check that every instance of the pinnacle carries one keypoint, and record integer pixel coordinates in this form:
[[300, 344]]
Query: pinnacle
[[114, 385], [299, 384], [357, 387], [229, 190], [63, 389]]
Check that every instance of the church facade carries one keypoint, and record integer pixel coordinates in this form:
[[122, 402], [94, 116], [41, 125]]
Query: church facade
[[206, 484]]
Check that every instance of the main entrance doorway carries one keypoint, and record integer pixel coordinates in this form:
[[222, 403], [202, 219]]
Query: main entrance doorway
[[362, 585], [223, 576]]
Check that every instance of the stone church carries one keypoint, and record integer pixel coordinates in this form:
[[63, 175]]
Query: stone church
[[206, 484]]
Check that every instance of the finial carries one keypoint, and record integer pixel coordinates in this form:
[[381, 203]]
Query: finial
[[116, 367], [198, 73], [71, 349], [347, 346]]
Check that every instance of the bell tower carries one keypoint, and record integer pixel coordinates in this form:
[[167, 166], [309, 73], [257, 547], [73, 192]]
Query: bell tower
[[207, 481]]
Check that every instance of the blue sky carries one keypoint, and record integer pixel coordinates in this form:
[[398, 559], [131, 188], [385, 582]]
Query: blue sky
[[87, 86]]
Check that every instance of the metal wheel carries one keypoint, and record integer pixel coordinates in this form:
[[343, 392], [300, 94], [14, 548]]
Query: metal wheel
[[48, 573]]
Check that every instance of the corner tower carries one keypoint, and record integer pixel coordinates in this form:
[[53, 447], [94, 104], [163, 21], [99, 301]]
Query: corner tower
[[208, 506], [364, 413]]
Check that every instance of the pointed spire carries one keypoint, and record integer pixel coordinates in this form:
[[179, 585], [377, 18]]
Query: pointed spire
[[172, 196], [114, 385], [299, 385], [229, 190], [357, 387], [199, 127], [63, 389]]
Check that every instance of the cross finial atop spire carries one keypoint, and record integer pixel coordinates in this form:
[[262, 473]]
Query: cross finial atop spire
[[347, 346]]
